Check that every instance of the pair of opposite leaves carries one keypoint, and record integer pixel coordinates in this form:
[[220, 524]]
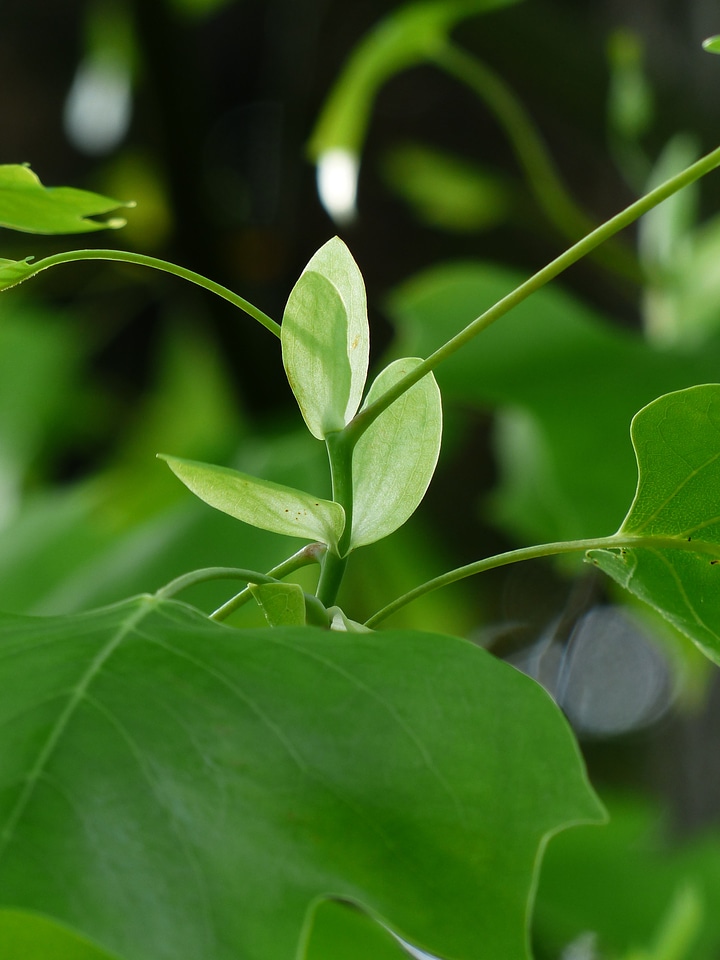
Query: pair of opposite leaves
[[325, 347]]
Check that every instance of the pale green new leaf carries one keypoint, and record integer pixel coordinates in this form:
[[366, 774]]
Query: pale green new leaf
[[395, 458], [262, 503], [282, 603], [25, 204], [677, 444], [326, 340], [174, 789]]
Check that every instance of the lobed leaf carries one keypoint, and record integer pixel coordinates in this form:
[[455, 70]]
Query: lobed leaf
[[262, 503], [26, 205], [677, 445], [326, 340], [197, 789], [394, 460]]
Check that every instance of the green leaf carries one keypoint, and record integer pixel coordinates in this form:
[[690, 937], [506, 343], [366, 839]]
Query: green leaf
[[174, 788], [408, 36], [632, 883], [395, 458], [25, 204], [326, 340], [678, 498], [262, 503], [282, 603], [341, 930], [13, 272], [31, 937]]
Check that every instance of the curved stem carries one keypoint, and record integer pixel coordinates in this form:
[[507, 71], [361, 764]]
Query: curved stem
[[362, 421], [210, 573], [125, 256], [311, 553], [616, 542], [542, 176]]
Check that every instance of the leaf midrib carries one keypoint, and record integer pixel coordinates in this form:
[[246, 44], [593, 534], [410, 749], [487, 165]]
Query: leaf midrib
[[55, 735]]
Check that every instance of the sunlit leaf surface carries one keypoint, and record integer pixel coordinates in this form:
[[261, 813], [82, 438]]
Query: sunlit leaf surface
[[25, 204], [174, 788]]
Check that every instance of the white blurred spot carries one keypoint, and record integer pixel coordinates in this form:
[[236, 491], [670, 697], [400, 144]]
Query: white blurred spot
[[98, 105], [609, 677], [337, 178]]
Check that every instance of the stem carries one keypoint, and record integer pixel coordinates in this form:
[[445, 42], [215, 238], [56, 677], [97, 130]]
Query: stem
[[340, 451], [540, 171], [210, 573], [616, 542], [311, 553], [362, 421], [125, 256]]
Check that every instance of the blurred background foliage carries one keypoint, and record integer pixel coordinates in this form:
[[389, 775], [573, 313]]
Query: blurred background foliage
[[205, 113]]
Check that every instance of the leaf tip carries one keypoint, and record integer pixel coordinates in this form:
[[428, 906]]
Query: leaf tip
[[712, 44]]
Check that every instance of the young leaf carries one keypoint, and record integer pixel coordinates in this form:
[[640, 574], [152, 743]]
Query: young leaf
[[262, 503], [325, 339], [174, 788], [395, 458], [25, 204], [15, 271], [678, 454], [282, 603]]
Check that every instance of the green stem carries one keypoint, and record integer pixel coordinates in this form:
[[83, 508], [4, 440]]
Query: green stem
[[210, 573], [616, 542], [362, 421], [340, 451], [124, 256], [311, 553], [532, 154]]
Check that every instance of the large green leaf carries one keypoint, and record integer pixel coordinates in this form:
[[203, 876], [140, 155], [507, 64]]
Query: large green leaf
[[326, 340], [677, 444], [25, 204], [262, 503], [173, 788], [395, 458]]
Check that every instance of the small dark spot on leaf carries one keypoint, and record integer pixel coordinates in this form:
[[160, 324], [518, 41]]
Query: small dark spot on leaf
[[713, 562]]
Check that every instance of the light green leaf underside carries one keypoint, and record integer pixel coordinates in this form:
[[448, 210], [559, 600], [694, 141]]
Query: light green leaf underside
[[325, 339], [677, 444], [191, 791], [395, 458], [282, 603], [25, 204], [262, 503]]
